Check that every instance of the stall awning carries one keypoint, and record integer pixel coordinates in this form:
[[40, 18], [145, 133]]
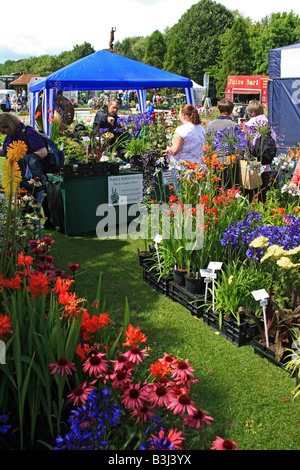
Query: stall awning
[[105, 70]]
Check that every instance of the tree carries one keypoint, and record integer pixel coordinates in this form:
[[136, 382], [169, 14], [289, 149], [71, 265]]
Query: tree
[[200, 29], [155, 50], [276, 30], [236, 54], [78, 52], [133, 48], [175, 58]]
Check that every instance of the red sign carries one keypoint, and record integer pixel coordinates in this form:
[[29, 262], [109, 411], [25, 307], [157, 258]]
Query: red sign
[[247, 84]]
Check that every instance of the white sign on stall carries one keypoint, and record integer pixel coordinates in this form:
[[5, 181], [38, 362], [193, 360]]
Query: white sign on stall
[[125, 189]]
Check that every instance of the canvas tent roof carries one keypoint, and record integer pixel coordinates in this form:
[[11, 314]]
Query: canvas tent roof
[[284, 93], [105, 70]]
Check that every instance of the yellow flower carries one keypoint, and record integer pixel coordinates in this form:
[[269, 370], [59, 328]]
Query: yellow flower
[[285, 263], [11, 177], [274, 251], [230, 279], [16, 150], [259, 242], [108, 135], [293, 251]]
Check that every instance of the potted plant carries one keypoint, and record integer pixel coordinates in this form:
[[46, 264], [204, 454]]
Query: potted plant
[[235, 312]]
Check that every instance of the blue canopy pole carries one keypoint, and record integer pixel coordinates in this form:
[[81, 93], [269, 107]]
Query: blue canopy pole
[[142, 94], [189, 96], [32, 107], [49, 96]]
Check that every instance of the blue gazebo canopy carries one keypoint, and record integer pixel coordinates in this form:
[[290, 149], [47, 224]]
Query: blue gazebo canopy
[[105, 70]]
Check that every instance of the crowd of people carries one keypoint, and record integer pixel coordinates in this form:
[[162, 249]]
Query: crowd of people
[[14, 101], [190, 137]]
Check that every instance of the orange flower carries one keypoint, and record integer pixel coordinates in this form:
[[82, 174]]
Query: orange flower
[[38, 284], [134, 336], [62, 285], [24, 260], [16, 150], [5, 325]]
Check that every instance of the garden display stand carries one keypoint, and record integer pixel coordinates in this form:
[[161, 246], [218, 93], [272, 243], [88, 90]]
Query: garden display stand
[[268, 353], [238, 334], [193, 302]]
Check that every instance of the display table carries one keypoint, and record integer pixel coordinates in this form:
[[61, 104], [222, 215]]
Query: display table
[[72, 203]]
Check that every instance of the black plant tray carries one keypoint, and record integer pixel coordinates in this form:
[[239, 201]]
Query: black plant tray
[[71, 171], [262, 350], [193, 302], [238, 334], [159, 283]]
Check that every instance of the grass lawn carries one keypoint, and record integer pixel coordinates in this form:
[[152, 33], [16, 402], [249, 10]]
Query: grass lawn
[[249, 398]]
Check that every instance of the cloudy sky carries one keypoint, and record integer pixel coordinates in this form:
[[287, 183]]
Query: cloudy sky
[[29, 30]]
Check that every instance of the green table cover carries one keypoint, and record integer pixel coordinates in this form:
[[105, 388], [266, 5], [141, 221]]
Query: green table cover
[[73, 202]]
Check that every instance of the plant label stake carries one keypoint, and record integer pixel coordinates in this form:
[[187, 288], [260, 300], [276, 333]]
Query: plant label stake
[[262, 296], [86, 140], [157, 239], [214, 266], [206, 274]]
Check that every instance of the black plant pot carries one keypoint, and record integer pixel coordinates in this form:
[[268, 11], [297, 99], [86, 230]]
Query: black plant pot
[[178, 276], [193, 285], [114, 168]]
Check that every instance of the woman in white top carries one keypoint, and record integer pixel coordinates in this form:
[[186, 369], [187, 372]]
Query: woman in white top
[[187, 143]]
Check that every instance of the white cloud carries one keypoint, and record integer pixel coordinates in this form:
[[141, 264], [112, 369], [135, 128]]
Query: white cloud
[[67, 23]]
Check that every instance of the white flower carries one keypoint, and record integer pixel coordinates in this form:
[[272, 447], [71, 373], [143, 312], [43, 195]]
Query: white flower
[[283, 161], [255, 167], [291, 189]]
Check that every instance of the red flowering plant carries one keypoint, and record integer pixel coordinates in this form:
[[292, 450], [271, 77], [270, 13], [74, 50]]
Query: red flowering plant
[[124, 402], [19, 209]]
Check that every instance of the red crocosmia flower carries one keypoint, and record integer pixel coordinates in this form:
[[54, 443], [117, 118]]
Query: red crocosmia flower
[[24, 260], [13, 283], [38, 284], [198, 419], [223, 444], [159, 368], [135, 354], [5, 325], [135, 395], [173, 437], [62, 285], [73, 267], [181, 404], [95, 365], [81, 393], [82, 351], [62, 366], [134, 336], [91, 324]]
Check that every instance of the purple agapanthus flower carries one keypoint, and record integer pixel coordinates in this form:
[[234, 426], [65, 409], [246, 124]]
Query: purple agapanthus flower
[[241, 234], [89, 422], [230, 140]]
